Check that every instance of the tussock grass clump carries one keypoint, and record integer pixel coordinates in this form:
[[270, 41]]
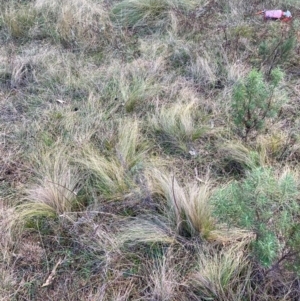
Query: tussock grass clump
[[237, 158], [147, 229], [110, 176], [56, 190], [76, 23], [114, 175], [275, 145], [187, 207], [203, 69], [224, 275], [164, 276], [131, 148], [136, 85], [21, 72], [176, 126], [152, 13], [18, 18], [139, 83]]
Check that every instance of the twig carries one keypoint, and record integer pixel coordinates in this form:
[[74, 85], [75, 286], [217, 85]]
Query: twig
[[284, 257], [175, 202], [52, 274]]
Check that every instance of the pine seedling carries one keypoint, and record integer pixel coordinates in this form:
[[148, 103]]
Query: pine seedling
[[275, 51], [266, 204], [254, 100]]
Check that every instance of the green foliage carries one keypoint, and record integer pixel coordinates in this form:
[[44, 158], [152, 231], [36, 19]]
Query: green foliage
[[237, 158], [266, 249], [265, 204], [254, 100], [276, 50]]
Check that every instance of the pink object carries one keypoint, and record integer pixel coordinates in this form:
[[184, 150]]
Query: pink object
[[273, 14]]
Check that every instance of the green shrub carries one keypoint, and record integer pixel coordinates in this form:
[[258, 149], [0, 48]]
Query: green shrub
[[266, 204], [254, 100], [276, 50]]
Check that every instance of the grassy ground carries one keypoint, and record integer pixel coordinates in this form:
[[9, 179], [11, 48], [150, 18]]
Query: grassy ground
[[133, 164]]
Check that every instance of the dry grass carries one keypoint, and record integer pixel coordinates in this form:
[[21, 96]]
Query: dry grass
[[7, 216], [164, 277], [146, 230], [187, 207], [18, 19], [8, 281], [56, 190], [223, 276], [138, 83], [130, 148], [83, 23], [203, 69], [176, 127], [153, 13], [115, 129], [115, 174], [237, 157]]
